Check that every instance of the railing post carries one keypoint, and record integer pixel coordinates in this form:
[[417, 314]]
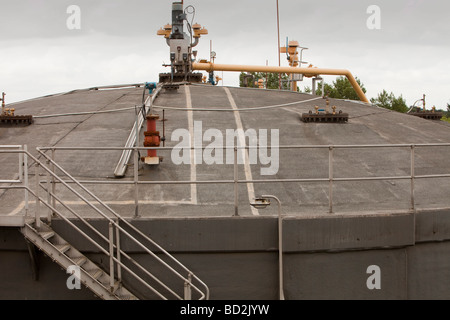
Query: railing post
[[119, 268], [37, 211], [236, 186], [25, 178], [49, 197], [21, 155], [136, 185], [53, 179], [136, 168], [187, 288], [111, 257], [413, 206], [330, 175]]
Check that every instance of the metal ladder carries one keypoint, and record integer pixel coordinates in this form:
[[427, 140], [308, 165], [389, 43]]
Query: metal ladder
[[61, 252], [105, 284]]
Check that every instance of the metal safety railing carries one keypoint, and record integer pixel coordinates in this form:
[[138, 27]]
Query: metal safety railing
[[332, 179], [190, 281], [116, 223]]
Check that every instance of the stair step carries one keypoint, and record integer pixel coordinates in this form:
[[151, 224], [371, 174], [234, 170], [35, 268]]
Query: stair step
[[59, 250], [79, 260], [117, 286], [127, 297], [63, 247], [95, 273], [47, 234]]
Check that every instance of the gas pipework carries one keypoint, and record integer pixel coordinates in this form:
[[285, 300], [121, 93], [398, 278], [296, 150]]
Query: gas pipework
[[181, 54], [260, 83], [3, 102], [292, 54], [152, 139], [425, 114], [324, 115], [9, 118]]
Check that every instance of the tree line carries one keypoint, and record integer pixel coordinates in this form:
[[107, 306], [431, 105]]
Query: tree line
[[341, 88]]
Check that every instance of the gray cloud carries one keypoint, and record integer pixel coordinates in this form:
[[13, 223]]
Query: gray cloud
[[412, 40]]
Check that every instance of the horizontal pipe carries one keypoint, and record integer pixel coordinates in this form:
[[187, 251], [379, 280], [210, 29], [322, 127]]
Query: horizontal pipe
[[307, 72], [300, 180], [324, 146]]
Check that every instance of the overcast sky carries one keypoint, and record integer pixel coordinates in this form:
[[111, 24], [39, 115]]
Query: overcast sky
[[117, 43]]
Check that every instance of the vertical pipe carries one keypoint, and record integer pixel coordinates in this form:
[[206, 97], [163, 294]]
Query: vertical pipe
[[137, 129], [187, 288], [323, 88], [25, 178], [412, 177], [330, 173], [135, 169], [53, 178], [153, 139], [280, 250], [21, 155], [37, 211], [280, 245], [279, 48], [111, 255], [119, 268], [49, 197], [236, 213], [3, 102], [136, 185]]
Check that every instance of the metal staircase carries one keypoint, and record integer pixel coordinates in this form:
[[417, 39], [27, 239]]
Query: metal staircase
[[114, 284], [63, 253]]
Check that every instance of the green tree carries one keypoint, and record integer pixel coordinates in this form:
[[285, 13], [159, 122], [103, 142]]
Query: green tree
[[341, 88], [305, 90], [390, 101], [250, 79]]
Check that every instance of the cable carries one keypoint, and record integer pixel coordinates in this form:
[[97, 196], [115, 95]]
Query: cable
[[94, 112], [81, 113], [173, 108], [192, 20], [240, 110], [79, 90]]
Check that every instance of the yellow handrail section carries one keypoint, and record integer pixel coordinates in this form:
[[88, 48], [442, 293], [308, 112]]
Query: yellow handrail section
[[307, 72]]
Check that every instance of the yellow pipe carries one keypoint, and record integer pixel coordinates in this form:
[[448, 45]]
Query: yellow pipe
[[307, 72]]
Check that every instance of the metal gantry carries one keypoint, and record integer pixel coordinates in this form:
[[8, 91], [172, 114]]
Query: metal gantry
[[107, 285], [236, 181]]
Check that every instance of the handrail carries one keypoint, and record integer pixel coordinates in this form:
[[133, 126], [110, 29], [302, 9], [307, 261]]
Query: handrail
[[114, 246], [53, 209], [187, 280], [127, 223], [331, 179]]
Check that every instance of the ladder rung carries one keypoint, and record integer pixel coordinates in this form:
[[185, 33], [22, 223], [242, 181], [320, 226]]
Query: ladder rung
[[47, 234], [79, 260], [117, 286], [63, 247], [95, 273], [127, 297]]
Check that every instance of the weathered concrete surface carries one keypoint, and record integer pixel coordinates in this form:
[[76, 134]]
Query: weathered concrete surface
[[367, 125], [326, 256], [337, 233], [237, 257]]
